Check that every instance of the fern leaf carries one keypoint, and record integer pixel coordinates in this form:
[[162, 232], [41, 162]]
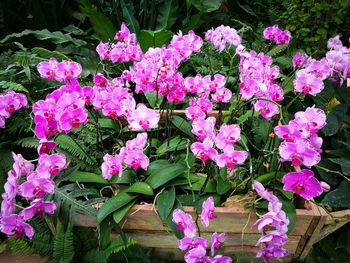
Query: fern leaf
[[12, 86], [63, 249], [276, 50], [27, 142], [19, 247], [42, 244], [66, 143]]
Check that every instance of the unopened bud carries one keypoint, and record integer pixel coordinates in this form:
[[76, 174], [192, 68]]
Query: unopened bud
[[325, 187], [272, 135], [266, 165]]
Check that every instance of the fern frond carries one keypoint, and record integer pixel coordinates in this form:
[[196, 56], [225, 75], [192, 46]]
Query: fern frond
[[63, 249], [12, 86], [19, 247], [276, 50], [42, 244], [27, 142], [68, 144]]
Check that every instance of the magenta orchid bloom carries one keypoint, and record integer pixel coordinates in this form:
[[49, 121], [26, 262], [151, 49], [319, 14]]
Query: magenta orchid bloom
[[216, 241], [222, 36], [36, 187], [205, 150], [47, 69], [228, 135], [267, 109], [194, 112], [197, 255], [208, 209], [112, 164], [135, 159], [184, 223], [188, 243], [51, 165], [143, 118], [204, 128], [299, 60], [21, 166], [302, 183], [46, 146], [68, 69], [14, 225], [221, 259], [38, 207], [310, 121], [299, 152], [231, 158], [222, 95], [307, 83]]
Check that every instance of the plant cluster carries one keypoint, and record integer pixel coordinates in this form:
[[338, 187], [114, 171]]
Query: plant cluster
[[115, 139]]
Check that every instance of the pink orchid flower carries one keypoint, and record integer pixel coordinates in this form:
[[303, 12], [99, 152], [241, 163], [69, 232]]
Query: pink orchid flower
[[184, 223], [207, 213]]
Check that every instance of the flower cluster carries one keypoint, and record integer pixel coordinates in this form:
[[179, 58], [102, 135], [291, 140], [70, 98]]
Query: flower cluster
[[131, 156], [196, 247], [302, 146], [38, 182], [338, 58], [59, 71], [62, 110], [125, 49], [157, 70], [222, 36], [273, 224], [257, 76], [10, 102], [299, 59], [309, 79], [275, 34]]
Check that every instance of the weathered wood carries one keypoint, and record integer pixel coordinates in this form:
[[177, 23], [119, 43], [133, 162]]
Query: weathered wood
[[229, 219], [322, 216]]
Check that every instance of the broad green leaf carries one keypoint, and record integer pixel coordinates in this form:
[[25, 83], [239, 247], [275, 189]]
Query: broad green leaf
[[165, 174], [344, 164], [222, 186], [86, 177], [56, 37], [140, 188], [156, 165], [165, 202], [210, 187], [167, 14], [343, 93], [129, 15], [182, 124], [335, 119], [288, 84], [325, 168], [101, 24], [120, 213], [47, 54], [175, 144], [340, 197], [108, 123], [156, 38], [114, 204], [322, 99], [246, 116], [206, 6], [264, 178], [153, 100], [128, 177]]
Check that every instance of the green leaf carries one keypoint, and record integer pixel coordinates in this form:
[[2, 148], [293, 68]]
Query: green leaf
[[165, 174], [86, 177], [12, 86], [114, 204], [165, 202], [276, 50], [167, 14], [325, 168], [289, 209], [206, 6], [128, 177], [56, 37], [344, 164], [335, 119], [340, 197], [175, 144], [63, 250], [129, 15], [148, 38], [156, 165], [152, 99], [210, 188], [222, 186], [108, 124], [140, 188], [182, 125], [47, 54], [120, 213], [101, 24], [243, 118], [322, 99]]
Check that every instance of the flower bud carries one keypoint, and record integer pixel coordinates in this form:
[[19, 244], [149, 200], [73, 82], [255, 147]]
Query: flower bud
[[325, 187]]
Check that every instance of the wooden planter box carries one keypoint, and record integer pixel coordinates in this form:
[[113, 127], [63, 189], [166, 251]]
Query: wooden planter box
[[143, 224]]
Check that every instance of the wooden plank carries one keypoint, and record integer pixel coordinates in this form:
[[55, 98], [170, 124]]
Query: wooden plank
[[229, 219], [322, 215]]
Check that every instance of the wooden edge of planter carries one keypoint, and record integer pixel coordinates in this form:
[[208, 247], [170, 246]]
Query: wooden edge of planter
[[143, 224], [315, 229]]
